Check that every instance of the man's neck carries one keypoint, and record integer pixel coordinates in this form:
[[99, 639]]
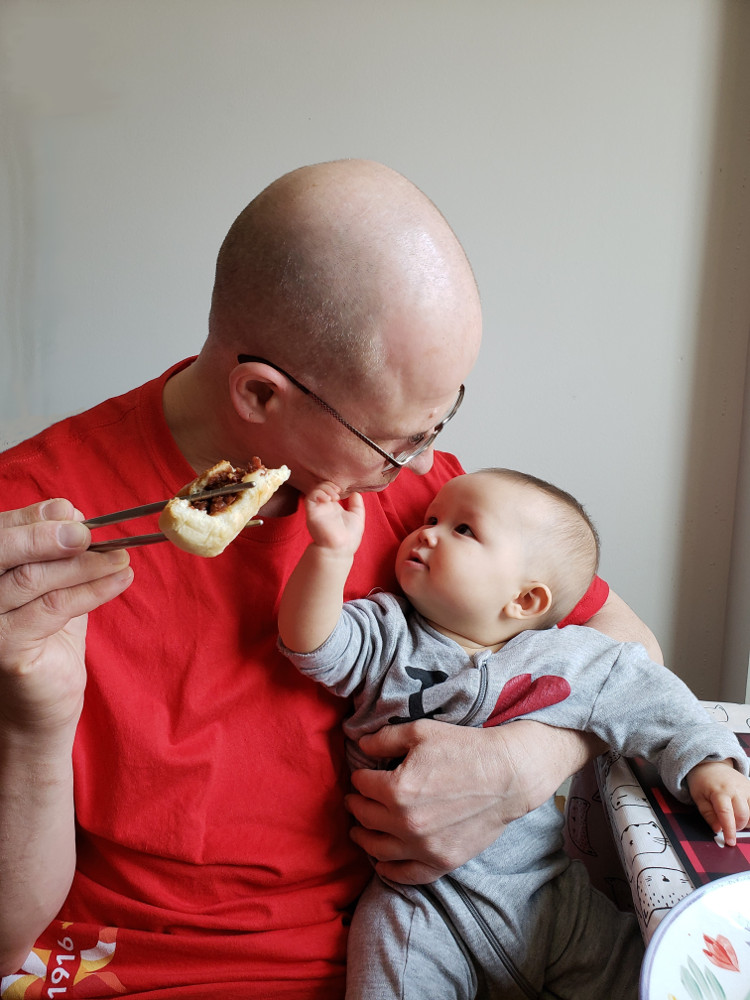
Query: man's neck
[[185, 404]]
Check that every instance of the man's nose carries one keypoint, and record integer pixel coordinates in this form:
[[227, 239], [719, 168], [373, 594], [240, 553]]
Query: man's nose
[[422, 464]]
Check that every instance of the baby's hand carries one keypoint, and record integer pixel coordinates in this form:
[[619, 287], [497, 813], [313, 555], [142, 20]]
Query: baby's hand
[[723, 797], [331, 524]]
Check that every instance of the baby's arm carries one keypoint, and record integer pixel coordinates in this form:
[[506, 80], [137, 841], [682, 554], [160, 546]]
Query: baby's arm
[[312, 599], [723, 796]]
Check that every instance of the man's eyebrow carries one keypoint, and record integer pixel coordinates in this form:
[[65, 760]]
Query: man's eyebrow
[[408, 436], [422, 432], [404, 436]]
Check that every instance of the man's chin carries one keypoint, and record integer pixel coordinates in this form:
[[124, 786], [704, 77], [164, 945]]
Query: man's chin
[[372, 488]]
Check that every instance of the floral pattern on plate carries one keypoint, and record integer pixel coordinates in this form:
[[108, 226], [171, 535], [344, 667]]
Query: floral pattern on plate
[[701, 950]]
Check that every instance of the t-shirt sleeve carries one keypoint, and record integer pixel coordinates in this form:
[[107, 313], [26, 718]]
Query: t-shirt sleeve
[[591, 602]]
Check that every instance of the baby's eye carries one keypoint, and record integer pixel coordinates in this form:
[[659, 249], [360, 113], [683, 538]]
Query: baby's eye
[[429, 521], [417, 438], [463, 529]]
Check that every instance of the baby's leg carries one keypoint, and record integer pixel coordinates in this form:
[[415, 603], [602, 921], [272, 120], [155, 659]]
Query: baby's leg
[[401, 947], [597, 950]]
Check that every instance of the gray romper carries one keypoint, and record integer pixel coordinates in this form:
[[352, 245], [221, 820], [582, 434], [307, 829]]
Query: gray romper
[[521, 919]]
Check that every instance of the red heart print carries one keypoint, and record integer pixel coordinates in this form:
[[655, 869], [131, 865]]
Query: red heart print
[[521, 695]]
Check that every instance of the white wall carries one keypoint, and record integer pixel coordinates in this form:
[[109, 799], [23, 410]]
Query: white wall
[[591, 155]]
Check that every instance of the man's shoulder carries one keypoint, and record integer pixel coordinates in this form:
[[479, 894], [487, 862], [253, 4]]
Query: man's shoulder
[[78, 455], [62, 440], [80, 424]]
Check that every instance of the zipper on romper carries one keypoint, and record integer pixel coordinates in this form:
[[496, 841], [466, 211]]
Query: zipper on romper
[[479, 700], [508, 964]]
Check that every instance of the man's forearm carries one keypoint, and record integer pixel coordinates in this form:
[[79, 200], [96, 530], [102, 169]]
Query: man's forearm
[[456, 790], [544, 757], [37, 843]]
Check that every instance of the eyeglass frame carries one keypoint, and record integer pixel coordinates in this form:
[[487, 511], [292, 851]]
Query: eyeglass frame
[[397, 461]]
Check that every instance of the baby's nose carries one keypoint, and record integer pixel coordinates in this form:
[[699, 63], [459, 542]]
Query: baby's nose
[[428, 535]]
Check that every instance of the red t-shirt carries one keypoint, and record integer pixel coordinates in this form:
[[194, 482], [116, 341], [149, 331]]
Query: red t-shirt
[[213, 848]]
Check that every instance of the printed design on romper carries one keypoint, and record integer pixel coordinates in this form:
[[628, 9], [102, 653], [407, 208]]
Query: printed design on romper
[[522, 695], [66, 970], [416, 709]]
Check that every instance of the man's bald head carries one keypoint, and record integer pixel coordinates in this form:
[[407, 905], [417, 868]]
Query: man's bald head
[[314, 270]]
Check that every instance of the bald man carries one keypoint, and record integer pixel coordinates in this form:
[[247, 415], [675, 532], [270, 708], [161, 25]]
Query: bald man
[[173, 807]]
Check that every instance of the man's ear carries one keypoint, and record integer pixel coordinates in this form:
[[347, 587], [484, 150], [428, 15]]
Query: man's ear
[[536, 600], [256, 389]]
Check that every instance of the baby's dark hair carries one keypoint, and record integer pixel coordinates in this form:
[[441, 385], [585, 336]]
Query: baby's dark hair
[[576, 542]]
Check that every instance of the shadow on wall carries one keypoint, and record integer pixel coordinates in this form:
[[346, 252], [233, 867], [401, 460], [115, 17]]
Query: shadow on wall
[[722, 332]]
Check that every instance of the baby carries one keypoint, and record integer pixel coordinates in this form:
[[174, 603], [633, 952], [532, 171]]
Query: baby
[[501, 558]]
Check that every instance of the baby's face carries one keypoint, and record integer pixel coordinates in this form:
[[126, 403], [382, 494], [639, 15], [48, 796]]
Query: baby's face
[[469, 559]]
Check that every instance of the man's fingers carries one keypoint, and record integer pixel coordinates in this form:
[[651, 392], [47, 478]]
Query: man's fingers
[[409, 872], [41, 541], [387, 801], [47, 576], [368, 812], [27, 582], [382, 846], [43, 616], [46, 510], [390, 741], [393, 860]]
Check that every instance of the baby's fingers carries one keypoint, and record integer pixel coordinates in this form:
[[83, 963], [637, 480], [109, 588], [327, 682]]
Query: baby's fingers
[[742, 811], [322, 493], [355, 504], [723, 808]]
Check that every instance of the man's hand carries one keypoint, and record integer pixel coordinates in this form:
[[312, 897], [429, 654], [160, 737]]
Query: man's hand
[[48, 583], [455, 791]]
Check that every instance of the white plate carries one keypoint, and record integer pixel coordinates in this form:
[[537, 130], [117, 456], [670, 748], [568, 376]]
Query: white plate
[[701, 950]]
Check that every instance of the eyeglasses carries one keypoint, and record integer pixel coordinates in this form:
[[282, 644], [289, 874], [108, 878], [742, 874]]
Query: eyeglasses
[[397, 461]]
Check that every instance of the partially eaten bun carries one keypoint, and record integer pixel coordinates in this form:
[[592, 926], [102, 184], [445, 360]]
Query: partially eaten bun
[[206, 527]]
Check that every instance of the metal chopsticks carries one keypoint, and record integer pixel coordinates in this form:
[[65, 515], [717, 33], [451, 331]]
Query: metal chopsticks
[[134, 541]]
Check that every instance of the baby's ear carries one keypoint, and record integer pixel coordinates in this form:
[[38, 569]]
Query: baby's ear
[[536, 600]]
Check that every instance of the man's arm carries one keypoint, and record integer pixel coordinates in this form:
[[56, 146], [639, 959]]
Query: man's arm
[[48, 583], [617, 620], [456, 790]]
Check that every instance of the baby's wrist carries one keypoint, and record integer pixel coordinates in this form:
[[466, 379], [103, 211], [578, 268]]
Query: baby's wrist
[[333, 553]]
